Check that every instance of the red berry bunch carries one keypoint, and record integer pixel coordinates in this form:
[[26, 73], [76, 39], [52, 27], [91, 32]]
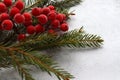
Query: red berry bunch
[[49, 19], [38, 20]]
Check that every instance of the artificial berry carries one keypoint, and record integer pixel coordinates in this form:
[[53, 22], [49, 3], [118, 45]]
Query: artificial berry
[[52, 16], [39, 28], [14, 11], [42, 19], [53, 11], [3, 7], [59, 17], [55, 24], [45, 10], [51, 7], [4, 16], [7, 25], [18, 18], [0, 27], [35, 11], [30, 29], [64, 16], [19, 4], [21, 37], [27, 23], [27, 16], [51, 31], [41, 10], [8, 3], [64, 27]]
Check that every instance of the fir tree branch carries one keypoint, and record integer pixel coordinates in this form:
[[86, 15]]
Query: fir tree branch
[[22, 71], [31, 59], [72, 39], [44, 3], [65, 4]]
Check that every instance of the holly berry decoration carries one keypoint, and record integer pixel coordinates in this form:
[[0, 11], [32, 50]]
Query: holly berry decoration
[[7, 25], [30, 29], [27, 16], [14, 11], [4, 16], [42, 19], [55, 24], [39, 28], [21, 37], [3, 7], [19, 18], [19, 4], [7, 2], [36, 11], [64, 27], [13, 16]]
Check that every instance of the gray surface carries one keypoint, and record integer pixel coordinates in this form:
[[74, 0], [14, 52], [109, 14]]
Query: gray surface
[[100, 17]]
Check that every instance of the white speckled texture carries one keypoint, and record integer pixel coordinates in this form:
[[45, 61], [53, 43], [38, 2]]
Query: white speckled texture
[[100, 17]]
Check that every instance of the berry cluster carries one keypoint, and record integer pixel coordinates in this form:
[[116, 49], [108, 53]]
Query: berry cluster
[[38, 20]]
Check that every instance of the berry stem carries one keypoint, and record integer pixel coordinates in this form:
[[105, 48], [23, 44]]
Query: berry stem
[[70, 13]]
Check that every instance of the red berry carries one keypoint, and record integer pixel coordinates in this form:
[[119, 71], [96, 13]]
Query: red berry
[[4, 16], [64, 16], [55, 24], [30, 29], [51, 7], [41, 10], [53, 11], [45, 10], [35, 11], [21, 37], [19, 4], [64, 27], [59, 17], [3, 7], [1, 27], [8, 2], [42, 19], [51, 31], [28, 23], [39, 28], [27, 16], [7, 25], [52, 16], [14, 11], [18, 18]]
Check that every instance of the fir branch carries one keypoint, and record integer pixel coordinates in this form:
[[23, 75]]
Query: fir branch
[[72, 39], [44, 3], [48, 66], [60, 73], [22, 71], [65, 4]]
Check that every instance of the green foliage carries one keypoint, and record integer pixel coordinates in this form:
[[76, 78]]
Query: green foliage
[[19, 58], [72, 39], [65, 4], [21, 53]]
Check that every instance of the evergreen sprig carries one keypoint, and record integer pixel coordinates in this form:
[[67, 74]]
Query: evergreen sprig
[[72, 39], [20, 54], [65, 4], [19, 58]]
